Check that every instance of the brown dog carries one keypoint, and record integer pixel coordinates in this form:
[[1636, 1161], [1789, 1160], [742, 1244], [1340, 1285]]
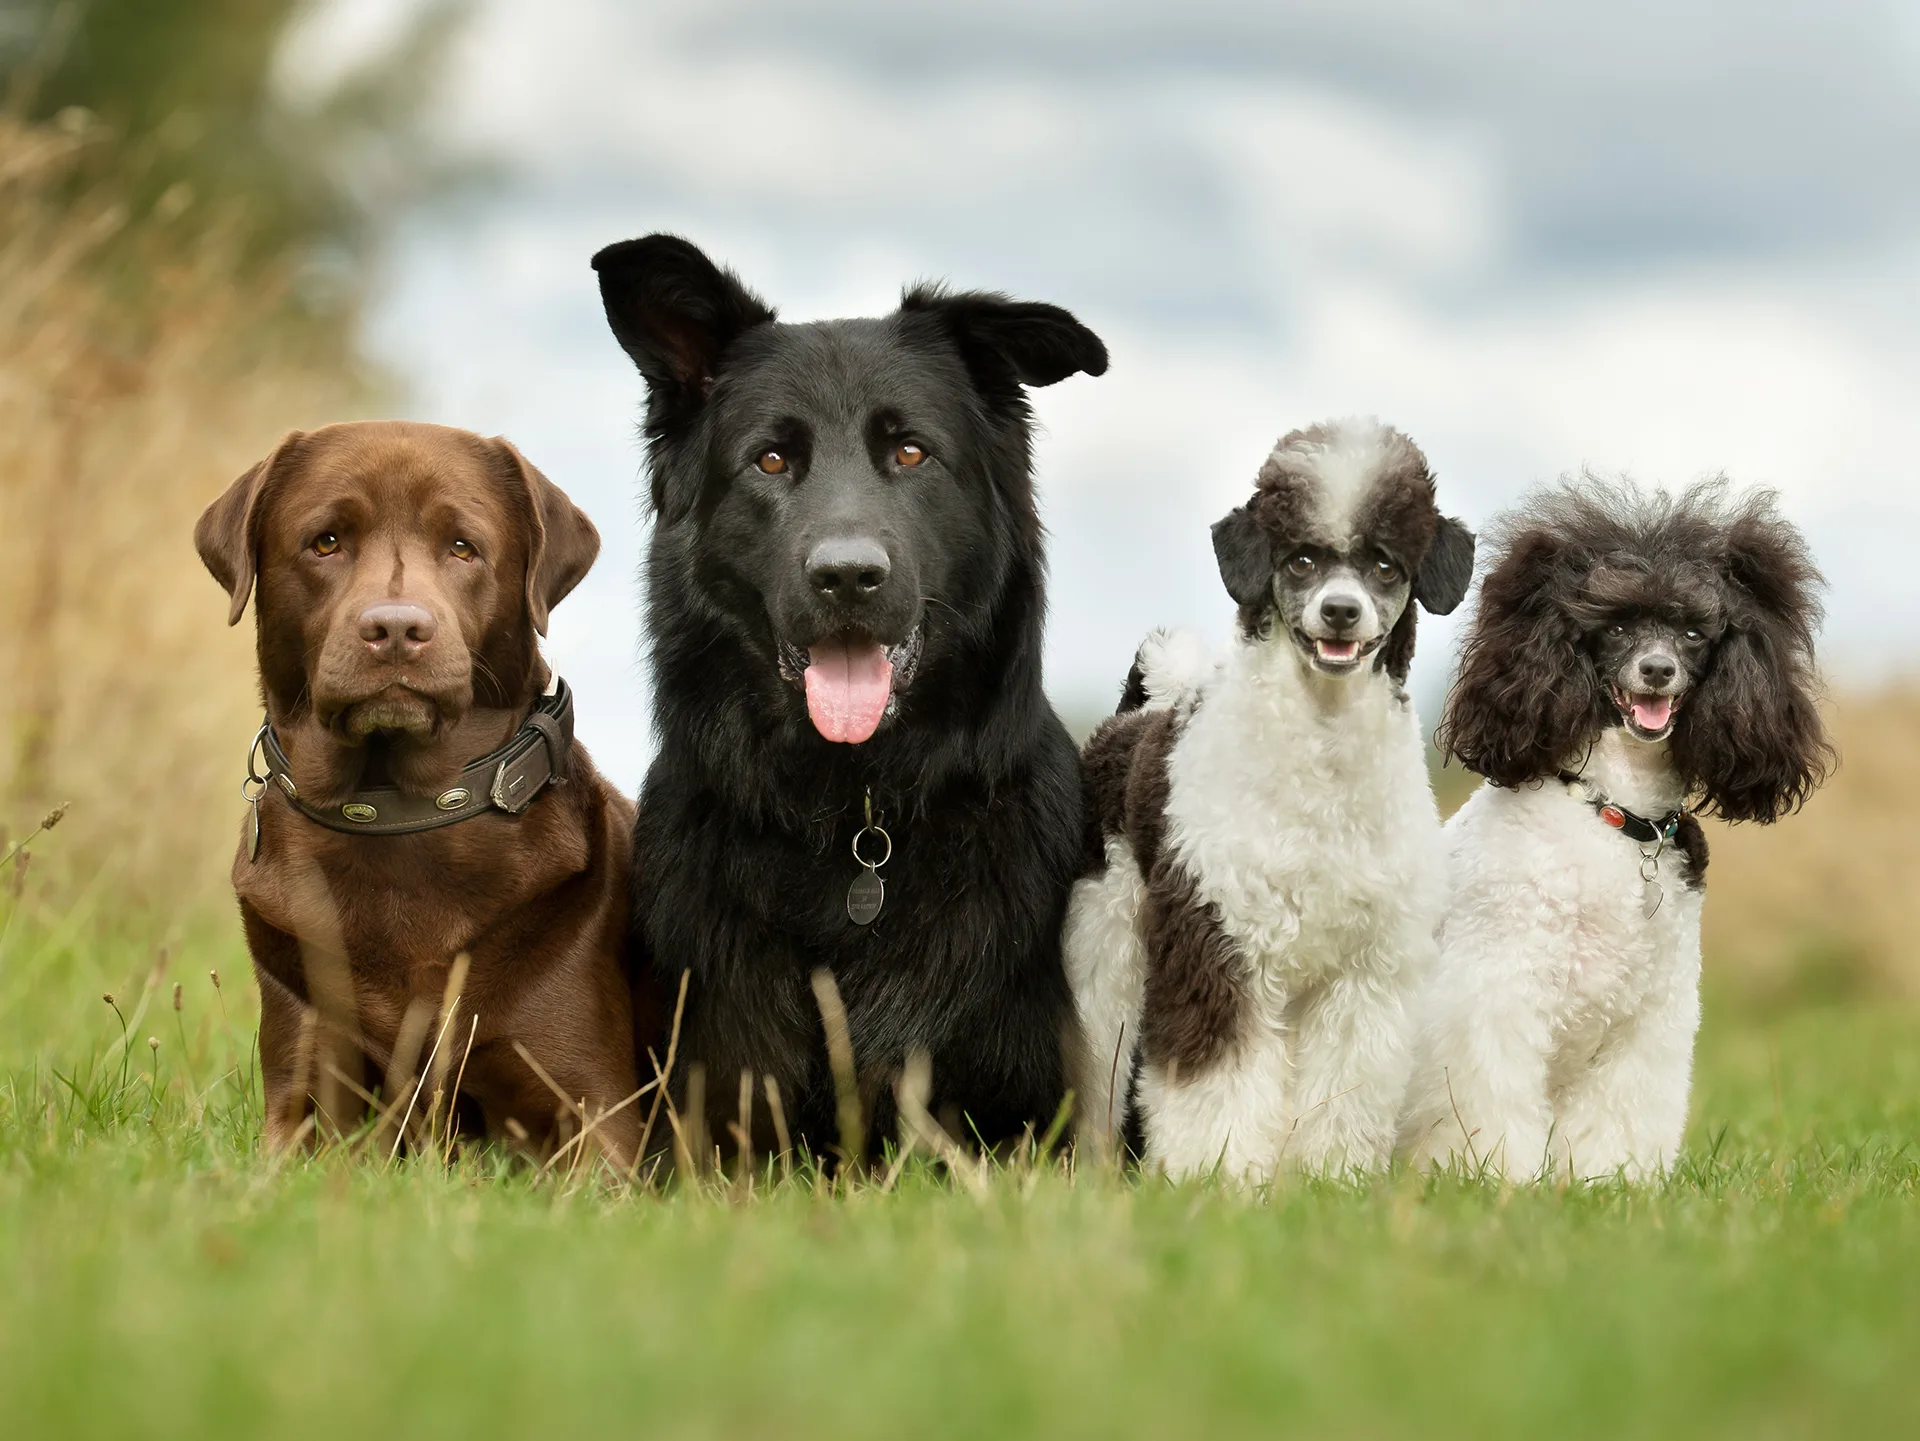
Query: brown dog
[[403, 571]]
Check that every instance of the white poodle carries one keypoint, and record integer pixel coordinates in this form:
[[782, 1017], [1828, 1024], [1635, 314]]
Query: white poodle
[[1273, 871], [1635, 661]]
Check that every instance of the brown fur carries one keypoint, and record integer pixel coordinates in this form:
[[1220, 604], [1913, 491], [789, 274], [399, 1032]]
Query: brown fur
[[1195, 978], [351, 933]]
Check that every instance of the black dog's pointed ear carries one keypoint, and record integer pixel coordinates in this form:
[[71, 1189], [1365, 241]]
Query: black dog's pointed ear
[[1007, 343], [1245, 557], [674, 312], [1447, 569]]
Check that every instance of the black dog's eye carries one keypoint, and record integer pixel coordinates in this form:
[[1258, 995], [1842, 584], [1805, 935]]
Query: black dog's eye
[[1616, 629], [771, 462], [326, 543], [1386, 570], [1301, 563], [464, 550], [907, 453], [1694, 635]]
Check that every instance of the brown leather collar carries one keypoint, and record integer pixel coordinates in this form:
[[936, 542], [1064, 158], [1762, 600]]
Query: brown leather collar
[[506, 779]]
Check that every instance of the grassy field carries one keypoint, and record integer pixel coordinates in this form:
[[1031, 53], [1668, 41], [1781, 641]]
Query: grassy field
[[160, 1277]]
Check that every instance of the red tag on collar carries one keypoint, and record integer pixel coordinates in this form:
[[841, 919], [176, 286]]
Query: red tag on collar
[[1613, 816]]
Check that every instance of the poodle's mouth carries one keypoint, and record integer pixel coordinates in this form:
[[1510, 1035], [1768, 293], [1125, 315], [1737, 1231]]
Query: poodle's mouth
[[1647, 716], [852, 683], [1336, 657]]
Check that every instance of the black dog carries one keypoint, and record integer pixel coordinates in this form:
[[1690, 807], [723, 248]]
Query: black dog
[[844, 608]]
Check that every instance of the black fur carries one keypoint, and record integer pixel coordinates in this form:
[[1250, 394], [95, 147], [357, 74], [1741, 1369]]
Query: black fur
[[1577, 566], [742, 850]]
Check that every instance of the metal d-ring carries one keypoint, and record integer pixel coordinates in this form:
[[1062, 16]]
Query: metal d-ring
[[878, 831], [254, 778]]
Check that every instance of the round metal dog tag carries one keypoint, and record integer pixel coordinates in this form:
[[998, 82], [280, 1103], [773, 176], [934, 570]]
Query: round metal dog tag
[[864, 898], [359, 811]]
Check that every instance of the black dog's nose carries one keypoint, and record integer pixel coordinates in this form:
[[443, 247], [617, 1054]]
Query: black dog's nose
[[848, 568], [1340, 611], [397, 630], [1657, 671]]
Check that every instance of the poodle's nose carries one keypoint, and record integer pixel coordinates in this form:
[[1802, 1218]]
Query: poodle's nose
[[1657, 671], [1342, 612]]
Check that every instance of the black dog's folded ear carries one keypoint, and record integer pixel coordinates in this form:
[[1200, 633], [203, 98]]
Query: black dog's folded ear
[[1007, 343], [1244, 555], [564, 543], [227, 533], [674, 312], [1447, 570]]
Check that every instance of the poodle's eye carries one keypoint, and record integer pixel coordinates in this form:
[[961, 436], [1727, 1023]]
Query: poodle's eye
[[326, 543], [771, 462], [1301, 563], [908, 454], [1694, 635], [1616, 629], [1386, 570]]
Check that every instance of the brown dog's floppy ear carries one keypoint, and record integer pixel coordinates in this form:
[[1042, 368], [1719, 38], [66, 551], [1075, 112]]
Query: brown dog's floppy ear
[[1244, 555], [565, 542], [1447, 569], [226, 535]]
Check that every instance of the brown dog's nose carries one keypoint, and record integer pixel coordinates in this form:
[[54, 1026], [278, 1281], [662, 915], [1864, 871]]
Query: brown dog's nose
[[397, 630]]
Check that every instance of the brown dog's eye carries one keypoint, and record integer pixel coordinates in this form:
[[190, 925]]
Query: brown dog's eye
[[463, 549], [1386, 570], [772, 462], [907, 453], [1301, 564], [326, 543]]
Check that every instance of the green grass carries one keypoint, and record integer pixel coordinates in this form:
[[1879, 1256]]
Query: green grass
[[160, 1277]]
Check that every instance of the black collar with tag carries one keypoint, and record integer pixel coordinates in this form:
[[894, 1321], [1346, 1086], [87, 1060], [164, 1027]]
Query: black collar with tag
[[1639, 828], [507, 779]]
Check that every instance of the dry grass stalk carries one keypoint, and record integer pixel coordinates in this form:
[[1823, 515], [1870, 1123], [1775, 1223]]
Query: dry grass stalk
[[781, 1136], [846, 1084], [662, 1073]]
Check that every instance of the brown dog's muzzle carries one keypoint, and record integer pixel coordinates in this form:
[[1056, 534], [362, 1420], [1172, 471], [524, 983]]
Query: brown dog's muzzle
[[394, 664]]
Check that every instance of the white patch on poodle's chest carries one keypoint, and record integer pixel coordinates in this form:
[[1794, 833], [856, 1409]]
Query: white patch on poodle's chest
[[1603, 959], [1312, 831]]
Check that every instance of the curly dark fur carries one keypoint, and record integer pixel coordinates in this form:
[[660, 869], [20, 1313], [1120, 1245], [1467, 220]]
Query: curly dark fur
[[1749, 738]]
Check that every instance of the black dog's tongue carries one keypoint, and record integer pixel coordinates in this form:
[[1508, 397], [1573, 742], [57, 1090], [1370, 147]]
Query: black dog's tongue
[[848, 684]]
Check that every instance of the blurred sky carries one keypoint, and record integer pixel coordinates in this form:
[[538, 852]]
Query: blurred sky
[[1668, 239]]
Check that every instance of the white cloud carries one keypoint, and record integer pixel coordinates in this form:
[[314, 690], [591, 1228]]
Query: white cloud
[[1258, 249]]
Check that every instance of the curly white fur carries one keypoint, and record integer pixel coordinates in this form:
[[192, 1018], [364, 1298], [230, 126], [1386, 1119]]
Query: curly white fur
[[1557, 1029], [1301, 806]]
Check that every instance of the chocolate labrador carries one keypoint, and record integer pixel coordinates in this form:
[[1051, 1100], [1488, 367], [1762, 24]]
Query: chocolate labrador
[[416, 795]]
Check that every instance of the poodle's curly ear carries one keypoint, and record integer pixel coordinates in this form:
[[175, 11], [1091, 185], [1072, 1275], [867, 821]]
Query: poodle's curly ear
[[1446, 570], [1527, 695], [1750, 735], [1245, 557]]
